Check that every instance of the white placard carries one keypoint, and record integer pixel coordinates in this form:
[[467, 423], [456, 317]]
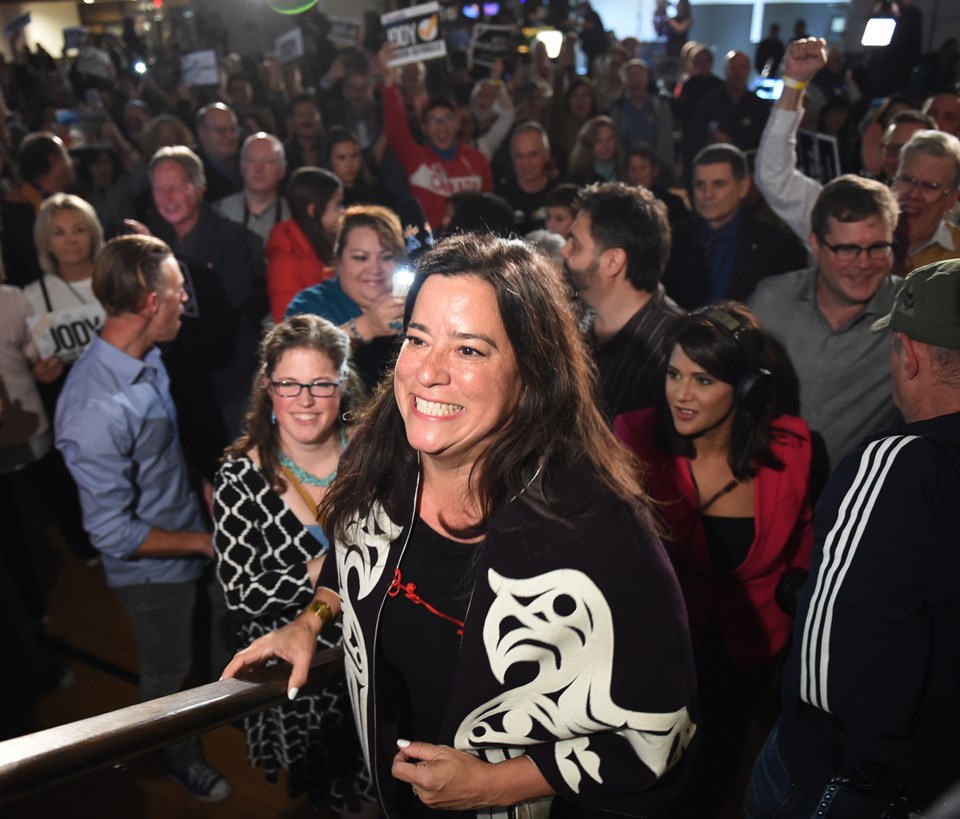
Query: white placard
[[289, 45], [66, 333], [415, 34], [345, 30], [199, 68]]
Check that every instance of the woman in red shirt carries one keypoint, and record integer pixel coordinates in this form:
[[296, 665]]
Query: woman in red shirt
[[300, 249], [730, 475]]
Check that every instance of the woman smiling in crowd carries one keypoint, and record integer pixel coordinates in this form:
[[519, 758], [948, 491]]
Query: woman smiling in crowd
[[522, 663], [270, 547], [368, 251]]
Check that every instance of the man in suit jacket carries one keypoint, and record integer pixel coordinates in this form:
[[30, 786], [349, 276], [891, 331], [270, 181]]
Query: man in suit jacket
[[721, 253]]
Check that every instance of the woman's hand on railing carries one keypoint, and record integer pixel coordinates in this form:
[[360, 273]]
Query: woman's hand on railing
[[296, 643]]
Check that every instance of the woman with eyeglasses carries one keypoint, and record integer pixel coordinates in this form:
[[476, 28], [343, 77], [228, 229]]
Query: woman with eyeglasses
[[728, 471], [270, 545]]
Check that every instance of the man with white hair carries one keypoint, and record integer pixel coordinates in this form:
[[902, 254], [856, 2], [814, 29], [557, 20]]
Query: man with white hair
[[259, 206], [214, 357]]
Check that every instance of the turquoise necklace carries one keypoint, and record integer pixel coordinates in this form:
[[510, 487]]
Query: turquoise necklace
[[309, 478]]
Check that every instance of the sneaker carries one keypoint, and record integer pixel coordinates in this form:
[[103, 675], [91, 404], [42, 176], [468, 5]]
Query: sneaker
[[202, 782]]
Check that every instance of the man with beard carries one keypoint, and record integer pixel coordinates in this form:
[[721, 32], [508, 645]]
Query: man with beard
[[615, 254]]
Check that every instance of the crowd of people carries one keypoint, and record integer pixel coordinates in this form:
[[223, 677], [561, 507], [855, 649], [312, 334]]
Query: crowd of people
[[552, 367]]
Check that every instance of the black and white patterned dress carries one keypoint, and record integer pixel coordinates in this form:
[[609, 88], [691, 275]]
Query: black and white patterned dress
[[262, 553]]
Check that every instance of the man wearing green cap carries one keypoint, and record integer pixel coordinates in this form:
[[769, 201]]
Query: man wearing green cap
[[872, 682]]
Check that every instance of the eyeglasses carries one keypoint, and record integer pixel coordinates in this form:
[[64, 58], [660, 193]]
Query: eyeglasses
[[847, 253], [292, 389], [930, 191]]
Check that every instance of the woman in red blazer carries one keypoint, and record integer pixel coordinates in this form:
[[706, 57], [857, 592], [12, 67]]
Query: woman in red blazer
[[730, 475]]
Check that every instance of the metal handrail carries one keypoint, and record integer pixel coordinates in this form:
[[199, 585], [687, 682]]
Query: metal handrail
[[46, 758]]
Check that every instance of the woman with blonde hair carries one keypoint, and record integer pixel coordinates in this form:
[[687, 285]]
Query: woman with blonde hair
[[68, 237]]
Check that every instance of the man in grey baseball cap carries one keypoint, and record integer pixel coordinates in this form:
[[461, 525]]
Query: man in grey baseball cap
[[927, 307], [872, 680]]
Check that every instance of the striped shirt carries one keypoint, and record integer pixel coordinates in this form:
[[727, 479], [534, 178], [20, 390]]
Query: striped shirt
[[632, 363], [873, 676]]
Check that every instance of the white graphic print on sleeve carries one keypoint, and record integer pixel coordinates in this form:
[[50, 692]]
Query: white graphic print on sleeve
[[561, 623], [361, 557]]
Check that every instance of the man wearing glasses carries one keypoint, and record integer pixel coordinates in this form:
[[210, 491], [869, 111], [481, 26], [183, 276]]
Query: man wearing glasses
[[926, 188], [822, 314], [925, 182], [443, 165]]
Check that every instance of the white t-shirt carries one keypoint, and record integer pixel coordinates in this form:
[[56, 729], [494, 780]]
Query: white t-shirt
[[67, 325]]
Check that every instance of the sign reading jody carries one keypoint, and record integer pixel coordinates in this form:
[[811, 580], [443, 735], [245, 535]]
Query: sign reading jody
[[415, 34], [66, 333]]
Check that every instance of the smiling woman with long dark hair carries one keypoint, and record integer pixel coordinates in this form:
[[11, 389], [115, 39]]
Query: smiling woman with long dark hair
[[515, 631]]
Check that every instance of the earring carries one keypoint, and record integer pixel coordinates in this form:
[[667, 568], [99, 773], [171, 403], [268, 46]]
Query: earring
[[273, 417]]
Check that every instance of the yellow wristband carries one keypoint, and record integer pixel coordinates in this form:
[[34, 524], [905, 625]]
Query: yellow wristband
[[790, 82]]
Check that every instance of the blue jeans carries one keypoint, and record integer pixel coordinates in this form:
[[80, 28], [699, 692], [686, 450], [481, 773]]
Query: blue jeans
[[772, 793], [163, 618]]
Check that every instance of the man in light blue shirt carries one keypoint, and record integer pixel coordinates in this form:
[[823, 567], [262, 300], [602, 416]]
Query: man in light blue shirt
[[117, 429]]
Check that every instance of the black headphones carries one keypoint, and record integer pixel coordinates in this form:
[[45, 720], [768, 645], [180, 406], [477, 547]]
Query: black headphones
[[756, 387]]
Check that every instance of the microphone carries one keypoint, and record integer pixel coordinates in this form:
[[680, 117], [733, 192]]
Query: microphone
[[416, 229]]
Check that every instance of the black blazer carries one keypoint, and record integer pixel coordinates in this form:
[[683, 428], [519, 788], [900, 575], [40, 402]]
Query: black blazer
[[762, 250]]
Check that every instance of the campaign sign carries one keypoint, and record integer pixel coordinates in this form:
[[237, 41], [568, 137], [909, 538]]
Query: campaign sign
[[344, 30], [16, 25], [74, 37], [818, 156], [95, 62], [199, 68], [289, 45], [489, 43], [415, 34], [66, 333]]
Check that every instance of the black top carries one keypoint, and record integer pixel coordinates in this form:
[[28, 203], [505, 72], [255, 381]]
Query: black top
[[729, 540], [421, 628], [632, 364], [530, 209]]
